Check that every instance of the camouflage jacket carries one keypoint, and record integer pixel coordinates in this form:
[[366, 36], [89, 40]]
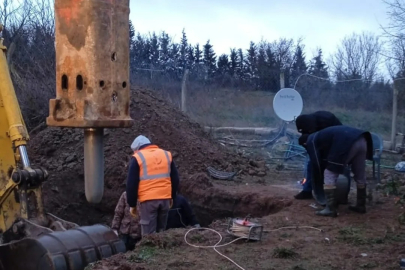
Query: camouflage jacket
[[123, 222]]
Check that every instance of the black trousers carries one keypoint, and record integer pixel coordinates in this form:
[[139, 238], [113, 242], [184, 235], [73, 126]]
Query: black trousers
[[129, 241]]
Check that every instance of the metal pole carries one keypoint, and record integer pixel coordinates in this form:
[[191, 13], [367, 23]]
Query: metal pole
[[282, 81], [184, 91], [394, 117]]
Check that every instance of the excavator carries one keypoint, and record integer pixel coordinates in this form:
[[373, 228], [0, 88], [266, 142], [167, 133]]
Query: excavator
[[92, 93]]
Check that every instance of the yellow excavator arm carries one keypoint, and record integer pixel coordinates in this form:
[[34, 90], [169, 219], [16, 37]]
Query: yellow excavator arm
[[92, 93]]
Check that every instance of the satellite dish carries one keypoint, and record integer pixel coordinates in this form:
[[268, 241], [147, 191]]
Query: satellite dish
[[287, 104]]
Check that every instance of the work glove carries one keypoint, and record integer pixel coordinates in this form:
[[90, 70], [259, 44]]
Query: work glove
[[132, 211]]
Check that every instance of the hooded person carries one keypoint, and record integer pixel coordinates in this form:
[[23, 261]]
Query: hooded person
[[307, 124], [331, 150], [152, 181]]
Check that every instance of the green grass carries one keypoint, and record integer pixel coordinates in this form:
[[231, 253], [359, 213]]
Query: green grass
[[284, 253], [255, 109]]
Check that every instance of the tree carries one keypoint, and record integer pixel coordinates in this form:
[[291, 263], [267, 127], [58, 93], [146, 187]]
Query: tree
[[241, 65], [251, 64], [223, 65], [183, 63], [358, 56], [299, 66], [209, 59], [234, 62], [164, 49], [318, 67]]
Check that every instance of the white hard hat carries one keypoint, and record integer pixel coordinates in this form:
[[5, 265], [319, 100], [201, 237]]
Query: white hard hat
[[138, 142]]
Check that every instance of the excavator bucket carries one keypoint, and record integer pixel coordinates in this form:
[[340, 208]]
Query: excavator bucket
[[62, 250]]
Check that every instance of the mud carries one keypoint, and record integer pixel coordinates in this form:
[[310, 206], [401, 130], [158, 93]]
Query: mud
[[60, 151]]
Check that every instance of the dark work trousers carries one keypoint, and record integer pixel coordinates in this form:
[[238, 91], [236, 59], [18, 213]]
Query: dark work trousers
[[153, 215], [357, 159], [129, 241]]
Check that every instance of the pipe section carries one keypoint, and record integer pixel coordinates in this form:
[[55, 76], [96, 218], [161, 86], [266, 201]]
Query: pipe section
[[94, 164]]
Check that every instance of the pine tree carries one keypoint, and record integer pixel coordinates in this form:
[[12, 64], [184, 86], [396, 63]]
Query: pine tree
[[223, 65], [164, 49], [251, 63], [274, 71], [183, 63], [209, 59], [234, 63], [318, 66], [190, 56], [299, 66], [241, 65], [154, 51], [198, 58], [262, 68]]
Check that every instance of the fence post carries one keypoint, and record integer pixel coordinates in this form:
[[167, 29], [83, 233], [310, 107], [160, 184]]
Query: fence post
[[184, 91], [282, 82], [394, 117]]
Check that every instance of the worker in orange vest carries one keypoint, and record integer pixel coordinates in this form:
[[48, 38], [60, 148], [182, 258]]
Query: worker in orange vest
[[153, 181]]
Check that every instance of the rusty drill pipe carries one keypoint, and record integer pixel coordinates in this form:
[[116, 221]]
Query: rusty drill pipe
[[94, 164], [92, 77]]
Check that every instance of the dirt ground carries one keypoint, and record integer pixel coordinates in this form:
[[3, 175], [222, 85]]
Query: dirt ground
[[374, 240], [262, 188]]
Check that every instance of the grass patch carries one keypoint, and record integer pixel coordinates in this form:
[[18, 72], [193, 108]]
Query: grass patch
[[355, 236], [284, 253], [143, 255]]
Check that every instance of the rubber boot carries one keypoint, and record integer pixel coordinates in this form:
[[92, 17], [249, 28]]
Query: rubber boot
[[360, 206], [331, 205]]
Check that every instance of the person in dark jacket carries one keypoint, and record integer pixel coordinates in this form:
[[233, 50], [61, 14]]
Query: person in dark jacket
[[307, 124], [181, 215], [330, 151]]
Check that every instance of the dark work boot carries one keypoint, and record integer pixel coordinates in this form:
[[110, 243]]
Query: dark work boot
[[304, 195], [360, 206], [331, 205]]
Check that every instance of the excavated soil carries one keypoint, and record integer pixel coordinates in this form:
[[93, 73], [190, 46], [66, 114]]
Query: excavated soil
[[60, 151]]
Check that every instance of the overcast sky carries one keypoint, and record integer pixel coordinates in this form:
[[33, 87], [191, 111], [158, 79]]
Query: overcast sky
[[235, 23]]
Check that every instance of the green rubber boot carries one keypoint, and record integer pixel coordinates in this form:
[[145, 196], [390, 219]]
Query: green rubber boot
[[331, 205], [360, 206]]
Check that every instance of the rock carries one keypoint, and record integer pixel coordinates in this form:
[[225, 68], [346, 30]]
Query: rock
[[251, 172], [70, 158], [71, 165], [59, 168], [261, 173], [401, 189], [253, 163], [55, 189]]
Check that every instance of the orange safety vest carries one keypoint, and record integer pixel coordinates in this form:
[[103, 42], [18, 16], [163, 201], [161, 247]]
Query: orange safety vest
[[154, 173]]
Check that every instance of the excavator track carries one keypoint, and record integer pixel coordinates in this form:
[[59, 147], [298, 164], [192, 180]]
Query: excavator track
[[72, 249]]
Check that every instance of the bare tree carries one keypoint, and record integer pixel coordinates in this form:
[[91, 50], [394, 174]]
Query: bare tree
[[358, 56]]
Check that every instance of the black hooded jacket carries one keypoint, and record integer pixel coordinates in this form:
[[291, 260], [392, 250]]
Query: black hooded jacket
[[313, 122], [328, 148]]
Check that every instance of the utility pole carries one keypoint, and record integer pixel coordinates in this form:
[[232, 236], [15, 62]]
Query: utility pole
[[394, 117], [282, 81], [184, 91]]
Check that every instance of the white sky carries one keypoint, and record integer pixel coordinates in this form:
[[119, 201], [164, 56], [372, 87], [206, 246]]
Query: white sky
[[235, 23]]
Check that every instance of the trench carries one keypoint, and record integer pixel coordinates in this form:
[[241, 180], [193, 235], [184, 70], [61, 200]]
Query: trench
[[210, 203]]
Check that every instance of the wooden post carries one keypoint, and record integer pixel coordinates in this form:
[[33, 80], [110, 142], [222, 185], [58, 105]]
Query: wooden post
[[184, 91], [282, 82], [394, 117]]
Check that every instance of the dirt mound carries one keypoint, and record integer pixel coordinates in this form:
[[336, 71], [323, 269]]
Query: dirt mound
[[60, 151]]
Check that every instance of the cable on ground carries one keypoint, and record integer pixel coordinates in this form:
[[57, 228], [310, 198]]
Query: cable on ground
[[237, 239]]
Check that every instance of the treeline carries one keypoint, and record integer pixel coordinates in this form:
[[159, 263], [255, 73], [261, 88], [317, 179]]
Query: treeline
[[156, 57], [159, 62]]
